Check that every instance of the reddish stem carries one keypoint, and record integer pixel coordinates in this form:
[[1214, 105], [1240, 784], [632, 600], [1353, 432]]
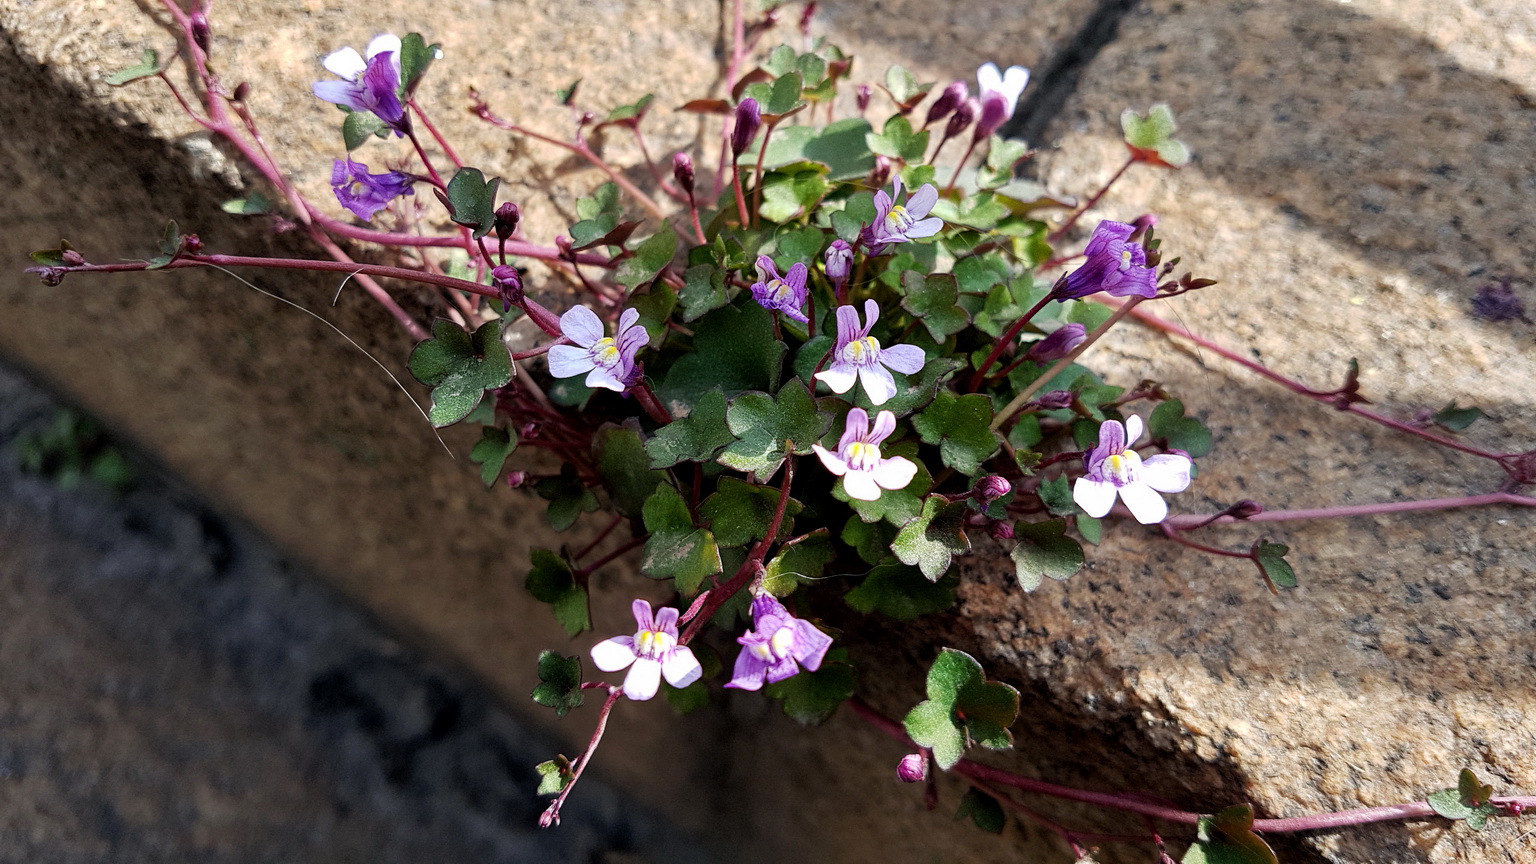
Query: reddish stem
[[551, 815], [1072, 220], [1006, 340], [1185, 523]]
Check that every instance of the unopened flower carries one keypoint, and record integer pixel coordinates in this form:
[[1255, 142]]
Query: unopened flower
[[839, 262], [991, 487], [898, 223], [366, 194], [780, 293], [651, 653], [1054, 400], [953, 97], [749, 117], [509, 284], [913, 768], [962, 119], [607, 361], [1114, 468], [858, 460], [777, 646], [682, 171], [367, 85], [861, 96], [858, 355], [999, 96], [507, 217], [1114, 264], [1061, 342]]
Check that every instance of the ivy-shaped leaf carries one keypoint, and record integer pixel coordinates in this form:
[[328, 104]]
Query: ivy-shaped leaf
[[415, 57], [629, 116], [983, 810], [703, 291], [598, 219], [811, 698], [931, 540], [654, 253], [568, 497], [554, 775], [472, 200], [1002, 155], [898, 141], [856, 213], [733, 350], [898, 591], [1056, 495], [962, 708], [254, 204], [792, 192], [1468, 801], [1270, 558], [491, 452], [931, 300], [460, 368], [1168, 422], [912, 391], [741, 512], [779, 97], [1044, 550], [961, 426], [695, 438], [675, 548], [359, 126], [1151, 137], [801, 560], [904, 88], [147, 67], [768, 428], [551, 581], [1228, 838], [559, 682], [872, 540], [1456, 419], [624, 466]]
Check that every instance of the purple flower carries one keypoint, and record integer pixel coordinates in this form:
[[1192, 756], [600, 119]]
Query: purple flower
[[371, 85], [366, 194], [895, 223], [858, 459], [749, 118], [1114, 264], [839, 262], [1115, 468], [858, 355], [649, 654], [1062, 341], [913, 768], [999, 96], [777, 646], [781, 293], [607, 360]]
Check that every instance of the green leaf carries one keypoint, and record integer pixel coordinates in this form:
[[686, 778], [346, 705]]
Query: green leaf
[[1044, 550], [460, 368], [931, 540], [491, 452], [784, 96], [912, 391], [797, 562], [1468, 801], [904, 88], [982, 211], [703, 291], [790, 193], [1056, 495], [568, 497], [554, 775], [472, 200], [961, 427], [1271, 560], [635, 111], [1456, 419], [768, 428], [802, 246], [983, 810], [1228, 838], [872, 540], [689, 699], [931, 300], [624, 466], [1002, 155], [1092, 529], [551, 581], [675, 548], [694, 438], [741, 512], [559, 682], [898, 141], [900, 592], [1155, 133], [1091, 315], [147, 67], [254, 205], [564, 95], [962, 705], [812, 698], [1168, 422], [654, 253], [599, 218], [858, 212], [415, 57], [932, 725], [733, 350]]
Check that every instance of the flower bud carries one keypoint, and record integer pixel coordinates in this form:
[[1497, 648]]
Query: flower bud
[[507, 217], [990, 488], [1000, 529], [72, 258], [1059, 344], [994, 113], [1245, 509], [1055, 399], [964, 116], [242, 91], [509, 284], [51, 276], [563, 245], [839, 261], [749, 118], [952, 97], [881, 175], [861, 96], [201, 33], [516, 479], [192, 244], [913, 768], [682, 171]]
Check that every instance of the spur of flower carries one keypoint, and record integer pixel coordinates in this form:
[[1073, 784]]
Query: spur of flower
[[366, 194], [1114, 264], [651, 654], [780, 293], [777, 646], [858, 355], [607, 361], [1114, 468], [371, 85], [898, 223], [858, 461]]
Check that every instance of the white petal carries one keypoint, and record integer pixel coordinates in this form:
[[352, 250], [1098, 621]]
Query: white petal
[[384, 42], [861, 485], [1096, 497], [1147, 506], [839, 376], [878, 384], [643, 680], [906, 359], [990, 78], [1166, 472], [894, 473], [885, 424], [582, 326], [832, 461], [568, 361], [681, 667], [339, 93], [611, 655], [346, 63], [1133, 429], [1014, 82], [600, 377]]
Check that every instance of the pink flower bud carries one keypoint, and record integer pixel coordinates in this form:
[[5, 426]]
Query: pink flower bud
[[1055, 399], [517, 479], [1063, 341], [882, 173], [994, 113], [953, 96], [1000, 529], [749, 118], [861, 96], [507, 217], [913, 768], [991, 487], [682, 171], [839, 261], [1245, 509], [201, 33], [509, 283], [964, 116]]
